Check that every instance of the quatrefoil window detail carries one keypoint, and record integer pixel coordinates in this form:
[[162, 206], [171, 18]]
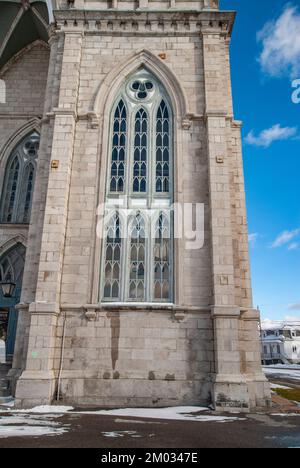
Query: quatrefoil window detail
[[141, 88], [31, 146]]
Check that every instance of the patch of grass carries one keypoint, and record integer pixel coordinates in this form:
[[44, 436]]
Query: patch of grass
[[292, 394]]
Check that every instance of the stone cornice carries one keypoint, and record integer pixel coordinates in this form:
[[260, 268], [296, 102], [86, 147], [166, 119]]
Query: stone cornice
[[148, 22], [133, 306], [91, 311]]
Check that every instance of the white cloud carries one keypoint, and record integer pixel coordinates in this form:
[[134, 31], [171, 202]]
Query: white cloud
[[268, 136], [253, 238], [294, 306], [293, 246], [285, 237], [280, 39]]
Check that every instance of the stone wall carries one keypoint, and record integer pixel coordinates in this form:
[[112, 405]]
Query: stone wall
[[25, 76], [197, 350], [99, 57], [136, 358]]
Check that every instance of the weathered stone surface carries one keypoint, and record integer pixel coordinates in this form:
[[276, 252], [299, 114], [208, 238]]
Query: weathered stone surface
[[204, 350]]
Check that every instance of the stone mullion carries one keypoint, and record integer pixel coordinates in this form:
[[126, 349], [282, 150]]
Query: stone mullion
[[44, 311]]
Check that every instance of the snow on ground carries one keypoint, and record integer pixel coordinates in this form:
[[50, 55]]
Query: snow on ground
[[291, 372], [9, 404], [44, 420], [30, 425], [118, 434], [284, 366], [44, 409], [179, 413]]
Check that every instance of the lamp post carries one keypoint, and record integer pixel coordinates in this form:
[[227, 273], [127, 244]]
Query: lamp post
[[8, 288]]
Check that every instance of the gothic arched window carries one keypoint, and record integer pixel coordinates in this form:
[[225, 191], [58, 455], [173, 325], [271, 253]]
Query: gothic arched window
[[18, 181], [12, 264], [137, 256]]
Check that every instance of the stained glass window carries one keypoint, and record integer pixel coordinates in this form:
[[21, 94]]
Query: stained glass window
[[137, 267], [19, 180], [112, 269], [162, 148], [162, 267], [12, 264], [10, 195], [137, 259], [28, 181], [117, 177], [140, 152]]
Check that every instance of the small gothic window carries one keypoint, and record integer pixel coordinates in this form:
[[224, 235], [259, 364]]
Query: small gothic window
[[19, 180], [137, 267], [12, 264]]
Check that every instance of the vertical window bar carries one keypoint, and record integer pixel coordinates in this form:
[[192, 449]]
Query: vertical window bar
[[140, 151], [12, 178], [112, 267], [19, 181], [162, 264], [28, 180], [117, 175], [137, 265], [162, 149]]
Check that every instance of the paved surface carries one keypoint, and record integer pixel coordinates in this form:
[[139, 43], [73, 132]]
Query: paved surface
[[256, 430], [277, 428]]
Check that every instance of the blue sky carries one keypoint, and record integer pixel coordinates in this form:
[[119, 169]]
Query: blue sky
[[263, 68]]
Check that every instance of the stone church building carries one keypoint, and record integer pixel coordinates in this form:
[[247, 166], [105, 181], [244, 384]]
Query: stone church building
[[112, 113]]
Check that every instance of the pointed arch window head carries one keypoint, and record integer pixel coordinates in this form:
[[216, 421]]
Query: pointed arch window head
[[141, 139], [138, 266], [12, 264], [19, 181]]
